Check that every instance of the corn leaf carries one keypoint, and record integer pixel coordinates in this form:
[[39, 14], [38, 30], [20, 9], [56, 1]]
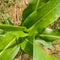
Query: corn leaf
[[33, 5], [11, 27], [39, 54], [50, 34], [10, 53], [6, 41], [44, 43], [43, 16], [27, 45], [9, 44]]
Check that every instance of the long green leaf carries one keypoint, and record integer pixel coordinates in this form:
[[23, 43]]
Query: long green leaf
[[10, 53], [11, 27], [27, 45], [44, 43], [50, 34], [10, 37], [39, 54], [9, 44], [36, 51], [44, 15], [33, 4], [6, 41]]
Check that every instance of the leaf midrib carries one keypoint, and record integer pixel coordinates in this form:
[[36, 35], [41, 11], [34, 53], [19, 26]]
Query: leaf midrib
[[8, 45], [44, 16], [49, 36]]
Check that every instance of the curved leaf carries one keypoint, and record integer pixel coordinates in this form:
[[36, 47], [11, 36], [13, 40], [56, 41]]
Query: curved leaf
[[11, 27], [9, 54], [44, 43], [27, 45], [8, 44], [50, 34], [6, 41], [39, 54], [44, 15], [33, 5]]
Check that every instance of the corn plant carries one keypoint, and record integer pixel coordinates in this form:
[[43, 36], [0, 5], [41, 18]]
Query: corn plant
[[33, 31]]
